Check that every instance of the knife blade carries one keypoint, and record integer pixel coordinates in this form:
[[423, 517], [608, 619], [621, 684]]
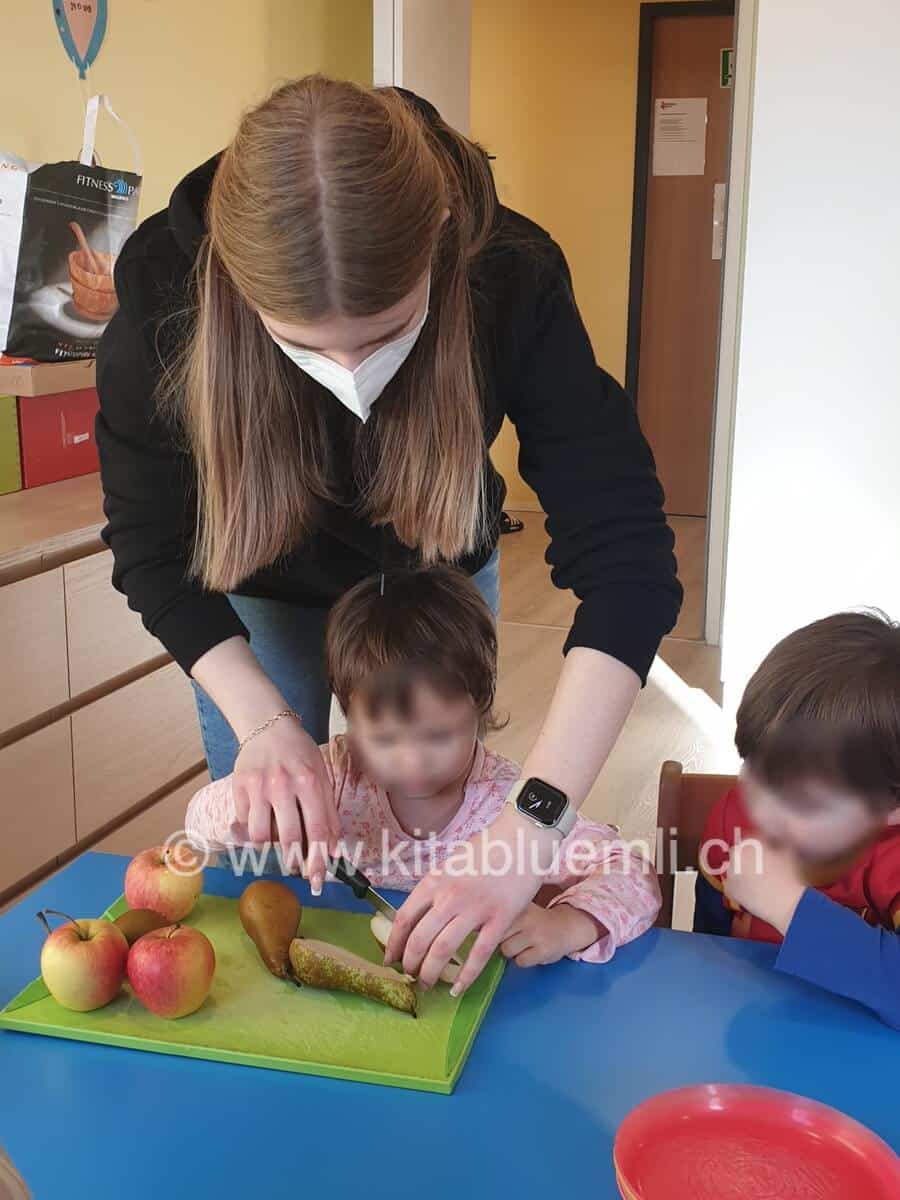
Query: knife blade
[[359, 884]]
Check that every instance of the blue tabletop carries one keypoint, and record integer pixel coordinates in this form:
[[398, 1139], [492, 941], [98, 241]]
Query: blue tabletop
[[564, 1053]]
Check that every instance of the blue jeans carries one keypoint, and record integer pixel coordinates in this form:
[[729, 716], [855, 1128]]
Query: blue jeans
[[289, 642]]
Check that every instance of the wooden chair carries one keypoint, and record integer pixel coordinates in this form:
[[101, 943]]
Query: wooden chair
[[684, 804]]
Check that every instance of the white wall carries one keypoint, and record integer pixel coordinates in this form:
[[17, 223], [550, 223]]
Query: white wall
[[815, 484], [425, 45]]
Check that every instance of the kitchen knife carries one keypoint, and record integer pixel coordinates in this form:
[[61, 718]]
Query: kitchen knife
[[363, 890]]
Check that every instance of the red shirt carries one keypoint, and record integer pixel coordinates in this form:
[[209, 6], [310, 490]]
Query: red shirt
[[871, 888]]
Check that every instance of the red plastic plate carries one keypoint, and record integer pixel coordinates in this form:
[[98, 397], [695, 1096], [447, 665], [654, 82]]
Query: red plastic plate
[[736, 1142]]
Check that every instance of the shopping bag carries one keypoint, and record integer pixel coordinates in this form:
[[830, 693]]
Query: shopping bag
[[62, 226]]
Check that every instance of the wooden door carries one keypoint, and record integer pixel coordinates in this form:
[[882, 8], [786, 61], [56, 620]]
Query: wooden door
[[681, 276]]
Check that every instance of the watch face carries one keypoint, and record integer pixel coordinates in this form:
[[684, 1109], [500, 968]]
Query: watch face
[[541, 802]]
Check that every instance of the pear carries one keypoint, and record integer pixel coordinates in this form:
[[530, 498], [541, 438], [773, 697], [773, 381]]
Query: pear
[[322, 965], [138, 921], [270, 914], [381, 931]]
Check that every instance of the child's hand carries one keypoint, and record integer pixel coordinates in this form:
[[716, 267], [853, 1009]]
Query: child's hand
[[539, 936], [765, 881]]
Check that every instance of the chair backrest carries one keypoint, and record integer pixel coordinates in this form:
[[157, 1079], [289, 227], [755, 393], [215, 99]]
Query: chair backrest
[[684, 804]]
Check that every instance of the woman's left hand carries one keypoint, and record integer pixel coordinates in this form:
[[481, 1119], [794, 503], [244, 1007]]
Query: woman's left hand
[[471, 890], [449, 903]]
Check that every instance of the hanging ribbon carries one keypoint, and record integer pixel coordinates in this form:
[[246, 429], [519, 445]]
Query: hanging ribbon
[[88, 154], [82, 28]]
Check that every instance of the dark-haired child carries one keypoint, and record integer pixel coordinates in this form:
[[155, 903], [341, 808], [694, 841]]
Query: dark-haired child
[[412, 660], [806, 850]]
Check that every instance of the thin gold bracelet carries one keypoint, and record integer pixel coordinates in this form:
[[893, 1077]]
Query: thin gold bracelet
[[285, 712]]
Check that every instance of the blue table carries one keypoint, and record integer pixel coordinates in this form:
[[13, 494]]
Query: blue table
[[563, 1055]]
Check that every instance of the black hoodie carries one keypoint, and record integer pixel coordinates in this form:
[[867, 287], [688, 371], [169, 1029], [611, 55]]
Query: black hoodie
[[580, 449]]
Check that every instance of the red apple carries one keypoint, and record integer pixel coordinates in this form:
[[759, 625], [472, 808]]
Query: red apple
[[83, 962], [166, 879], [171, 970]]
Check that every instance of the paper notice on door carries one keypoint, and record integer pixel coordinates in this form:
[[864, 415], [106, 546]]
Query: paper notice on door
[[679, 137]]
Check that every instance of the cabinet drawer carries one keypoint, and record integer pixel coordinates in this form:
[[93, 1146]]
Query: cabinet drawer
[[37, 810], [32, 648], [105, 637], [155, 824], [131, 743]]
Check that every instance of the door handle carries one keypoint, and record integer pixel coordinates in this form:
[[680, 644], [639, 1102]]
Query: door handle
[[718, 222]]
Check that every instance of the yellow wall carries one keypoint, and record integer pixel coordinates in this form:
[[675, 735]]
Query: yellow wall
[[554, 90], [553, 96], [179, 71]]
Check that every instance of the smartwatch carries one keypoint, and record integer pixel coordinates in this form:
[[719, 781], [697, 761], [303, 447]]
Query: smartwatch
[[543, 804]]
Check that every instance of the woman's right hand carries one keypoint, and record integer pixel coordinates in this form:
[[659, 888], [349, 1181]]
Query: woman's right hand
[[279, 777], [281, 785]]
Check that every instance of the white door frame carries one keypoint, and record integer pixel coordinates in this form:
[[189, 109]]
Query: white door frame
[[425, 45], [729, 333], [387, 43]]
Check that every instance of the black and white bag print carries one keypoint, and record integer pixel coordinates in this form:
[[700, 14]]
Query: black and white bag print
[[62, 226]]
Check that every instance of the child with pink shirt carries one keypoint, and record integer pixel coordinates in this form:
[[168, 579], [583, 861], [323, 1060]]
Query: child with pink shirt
[[412, 660]]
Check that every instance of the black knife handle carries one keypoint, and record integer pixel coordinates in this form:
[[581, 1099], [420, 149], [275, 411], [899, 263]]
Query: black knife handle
[[351, 876]]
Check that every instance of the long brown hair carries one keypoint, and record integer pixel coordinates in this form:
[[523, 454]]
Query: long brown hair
[[331, 199]]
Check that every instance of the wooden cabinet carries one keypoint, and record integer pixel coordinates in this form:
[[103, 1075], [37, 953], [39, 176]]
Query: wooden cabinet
[[37, 804], [106, 638], [33, 663], [153, 826], [130, 744], [97, 725]]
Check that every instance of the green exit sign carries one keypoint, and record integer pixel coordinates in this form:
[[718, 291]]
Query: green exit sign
[[726, 67]]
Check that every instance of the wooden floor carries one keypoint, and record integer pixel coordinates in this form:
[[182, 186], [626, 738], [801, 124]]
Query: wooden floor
[[527, 596], [677, 714]]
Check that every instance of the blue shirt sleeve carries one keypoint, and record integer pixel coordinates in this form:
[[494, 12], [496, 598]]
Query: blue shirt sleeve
[[834, 948]]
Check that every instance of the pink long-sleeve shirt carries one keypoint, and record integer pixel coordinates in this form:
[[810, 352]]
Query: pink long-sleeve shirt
[[594, 869]]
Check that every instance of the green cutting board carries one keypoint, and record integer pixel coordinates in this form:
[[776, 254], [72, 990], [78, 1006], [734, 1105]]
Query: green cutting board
[[250, 1017]]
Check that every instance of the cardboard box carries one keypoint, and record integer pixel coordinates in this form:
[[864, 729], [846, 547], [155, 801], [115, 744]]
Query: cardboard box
[[57, 436], [22, 378], [10, 469]]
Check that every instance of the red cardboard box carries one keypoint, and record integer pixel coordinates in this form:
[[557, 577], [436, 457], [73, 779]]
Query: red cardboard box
[[57, 436]]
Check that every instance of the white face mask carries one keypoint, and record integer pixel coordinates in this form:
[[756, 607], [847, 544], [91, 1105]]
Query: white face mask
[[360, 388]]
